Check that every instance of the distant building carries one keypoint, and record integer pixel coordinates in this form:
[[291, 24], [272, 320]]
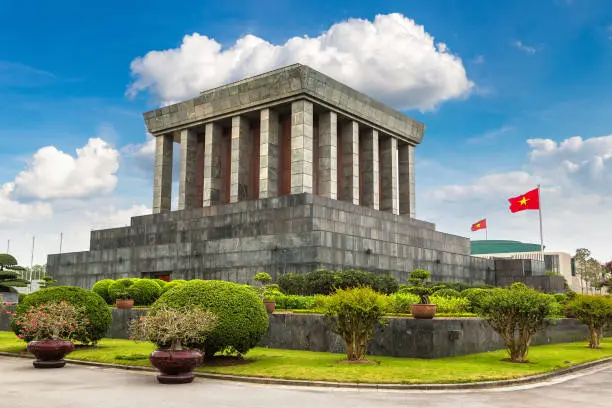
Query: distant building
[[558, 262]]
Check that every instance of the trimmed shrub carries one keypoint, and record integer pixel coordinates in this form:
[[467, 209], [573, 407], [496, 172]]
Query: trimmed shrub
[[595, 311], [450, 304], [172, 284], [516, 314], [160, 283], [242, 317], [561, 298], [95, 309], [292, 284], [294, 302], [144, 292], [353, 279], [386, 284], [400, 302], [101, 288], [476, 296], [320, 282], [118, 287], [21, 297], [447, 292], [353, 314]]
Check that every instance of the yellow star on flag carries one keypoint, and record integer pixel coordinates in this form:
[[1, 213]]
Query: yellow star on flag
[[524, 200]]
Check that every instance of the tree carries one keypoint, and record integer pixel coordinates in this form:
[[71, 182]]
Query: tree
[[47, 281], [580, 263], [595, 311], [10, 273]]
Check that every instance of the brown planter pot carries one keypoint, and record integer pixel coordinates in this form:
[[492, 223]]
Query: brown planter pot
[[124, 303], [420, 311], [270, 305], [50, 353], [176, 367]]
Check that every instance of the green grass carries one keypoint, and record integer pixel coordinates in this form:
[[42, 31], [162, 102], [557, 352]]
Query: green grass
[[291, 364]]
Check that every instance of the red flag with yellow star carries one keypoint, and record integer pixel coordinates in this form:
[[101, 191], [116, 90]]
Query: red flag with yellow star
[[482, 224], [528, 201]]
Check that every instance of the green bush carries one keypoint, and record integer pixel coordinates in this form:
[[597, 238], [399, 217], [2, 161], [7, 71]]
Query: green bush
[[242, 317], [294, 302], [160, 283], [118, 287], [516, 314], [292, 284], [400, 302], [450, 304], [595, 311], [95, 307], [144, 292], [561, 298], [447, 292], [101, 288], [172, 284], [320, 282], [476, 296], [353, 314], [459, 286], [353, 278], [21, 297], [386, 284]]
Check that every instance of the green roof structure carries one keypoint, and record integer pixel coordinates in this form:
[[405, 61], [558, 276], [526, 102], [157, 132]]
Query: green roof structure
[[481, 247]]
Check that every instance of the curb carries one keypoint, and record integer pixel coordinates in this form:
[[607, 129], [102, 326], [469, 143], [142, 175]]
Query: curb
[[366, 386]]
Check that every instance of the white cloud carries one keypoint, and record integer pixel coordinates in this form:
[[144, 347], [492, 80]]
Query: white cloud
[[576, 179], [529, 49], [111, 217], [391, 58], [55, 174], [490, 135], [13, 211]]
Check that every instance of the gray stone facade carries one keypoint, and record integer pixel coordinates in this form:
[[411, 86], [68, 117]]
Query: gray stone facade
[[297, 233]]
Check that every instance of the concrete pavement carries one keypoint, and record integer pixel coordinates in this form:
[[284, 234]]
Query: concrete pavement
[[81, 386]]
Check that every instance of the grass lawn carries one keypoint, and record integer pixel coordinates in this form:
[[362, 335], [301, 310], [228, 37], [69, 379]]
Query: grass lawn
[[291, 364]]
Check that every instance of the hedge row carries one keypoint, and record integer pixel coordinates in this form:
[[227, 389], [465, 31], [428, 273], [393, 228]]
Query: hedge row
[[325, 282], [144, 292]]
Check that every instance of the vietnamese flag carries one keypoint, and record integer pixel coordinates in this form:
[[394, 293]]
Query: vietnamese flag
[[482, 224], [528, 201]]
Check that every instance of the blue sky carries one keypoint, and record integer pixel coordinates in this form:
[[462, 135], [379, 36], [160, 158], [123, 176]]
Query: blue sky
[[540, 71]]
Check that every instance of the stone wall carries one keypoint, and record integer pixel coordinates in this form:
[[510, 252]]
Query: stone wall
[[297, 233]]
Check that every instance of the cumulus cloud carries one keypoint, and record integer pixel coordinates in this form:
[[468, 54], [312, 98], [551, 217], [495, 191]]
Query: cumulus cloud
[[13, 211], [576, 179], [112, 217], [55, 174], [391, 58]]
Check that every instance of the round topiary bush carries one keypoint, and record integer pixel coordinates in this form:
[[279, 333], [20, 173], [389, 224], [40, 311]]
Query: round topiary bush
[[144, 292], [95, 309], [172, 284], [160, 283], [476, 297], [242, 318], [101, 288], [118, 287]]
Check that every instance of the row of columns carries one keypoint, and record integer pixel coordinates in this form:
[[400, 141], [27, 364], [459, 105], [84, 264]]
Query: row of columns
[[355, 165]]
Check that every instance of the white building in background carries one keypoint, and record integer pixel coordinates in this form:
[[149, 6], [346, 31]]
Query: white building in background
[[558, 262]]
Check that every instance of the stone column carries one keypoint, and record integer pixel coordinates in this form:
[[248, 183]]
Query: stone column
[[212, 164], [389, 171], [301, 147], [187, 180], [162, 177], [268, 154], [328, 155], [406, 179], [350, 162], [368, 166], [241, 159]]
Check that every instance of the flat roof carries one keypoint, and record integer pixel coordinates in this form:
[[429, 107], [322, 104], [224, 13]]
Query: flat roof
[[282, 86], [483, 247]]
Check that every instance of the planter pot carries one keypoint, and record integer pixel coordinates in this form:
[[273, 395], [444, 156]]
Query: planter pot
[[420, 311], [50, 353], [270, 305], [176, 367], [124, 303]]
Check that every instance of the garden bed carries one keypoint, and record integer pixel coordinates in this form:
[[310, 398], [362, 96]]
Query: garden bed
[[305, 365]]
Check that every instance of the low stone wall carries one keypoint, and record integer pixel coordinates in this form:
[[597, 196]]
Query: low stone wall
[[402, 337]]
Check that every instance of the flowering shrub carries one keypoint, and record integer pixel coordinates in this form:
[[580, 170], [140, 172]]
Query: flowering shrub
[[52, 321]]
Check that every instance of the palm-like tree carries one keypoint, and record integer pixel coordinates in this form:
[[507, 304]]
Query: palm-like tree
[[10, 274]]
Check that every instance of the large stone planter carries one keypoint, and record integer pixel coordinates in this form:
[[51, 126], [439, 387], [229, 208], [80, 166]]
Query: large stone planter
[[421, 311], [176, 367], [50, 353]]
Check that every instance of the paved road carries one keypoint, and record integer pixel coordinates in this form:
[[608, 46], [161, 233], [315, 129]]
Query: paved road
[[22, 386]]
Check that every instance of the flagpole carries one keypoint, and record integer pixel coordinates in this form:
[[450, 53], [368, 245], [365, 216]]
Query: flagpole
[[541, 230], [487, 234]]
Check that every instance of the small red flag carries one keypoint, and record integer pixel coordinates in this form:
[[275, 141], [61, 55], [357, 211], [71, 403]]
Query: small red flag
[[528, 201], [482, 224]]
